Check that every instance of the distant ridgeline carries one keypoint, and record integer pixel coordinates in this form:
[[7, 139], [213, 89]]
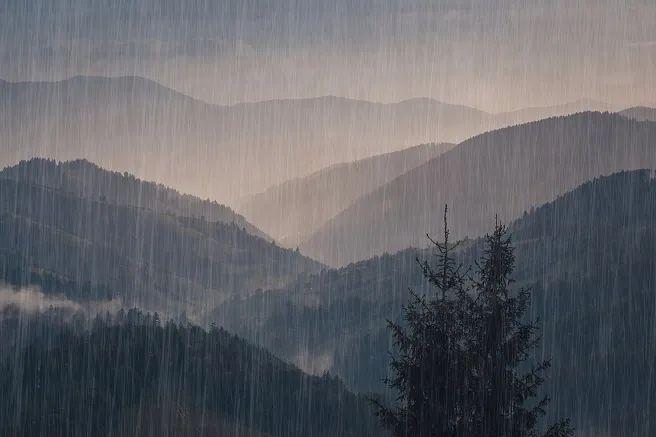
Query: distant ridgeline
[[89, 234], [293, 210], [86, 179], [640, 113], [132, 375], [590, 258], [502, 172]]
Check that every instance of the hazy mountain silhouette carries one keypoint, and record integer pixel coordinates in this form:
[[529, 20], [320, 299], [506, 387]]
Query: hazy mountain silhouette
[[640, 113], [590, 258], [294, 209], [502, 172], [89, 248], [221, 152], [525, 115], [86, 179]]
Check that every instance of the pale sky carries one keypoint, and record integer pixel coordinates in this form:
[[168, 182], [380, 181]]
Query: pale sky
[[492, 54]]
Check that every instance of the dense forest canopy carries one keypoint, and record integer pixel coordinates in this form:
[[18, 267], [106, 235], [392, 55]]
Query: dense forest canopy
[[133, 374]]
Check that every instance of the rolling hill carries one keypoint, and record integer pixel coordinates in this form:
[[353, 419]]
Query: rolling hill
[[85, 179], [89, 248], [293, 210], [589, 257], [503, 172]]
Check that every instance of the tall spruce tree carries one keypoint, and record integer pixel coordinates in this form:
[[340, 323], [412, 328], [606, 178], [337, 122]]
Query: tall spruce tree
[[461, 350], [505, 398], [431, 353]]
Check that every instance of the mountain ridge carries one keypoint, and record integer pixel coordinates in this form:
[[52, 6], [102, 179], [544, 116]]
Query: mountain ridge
[[499, 172], [90, 180], [294, 209]]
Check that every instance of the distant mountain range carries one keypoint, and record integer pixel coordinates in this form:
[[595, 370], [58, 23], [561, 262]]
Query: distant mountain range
[[222, 152], [295, 209], [126, 240], [589, 256], [500, 173]]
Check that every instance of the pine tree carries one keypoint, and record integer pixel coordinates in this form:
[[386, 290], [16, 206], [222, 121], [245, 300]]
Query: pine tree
[[428, 369], [504, 396], [461, 351]]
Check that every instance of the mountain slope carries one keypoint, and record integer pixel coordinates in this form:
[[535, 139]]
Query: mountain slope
[[220, 152], [88, 249], [590, 258], [131, 376], [85, 179], [502, 173], [640, 113], [294, 209]]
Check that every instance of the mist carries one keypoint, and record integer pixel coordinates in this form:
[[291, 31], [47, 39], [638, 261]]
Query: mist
[[31, 300]]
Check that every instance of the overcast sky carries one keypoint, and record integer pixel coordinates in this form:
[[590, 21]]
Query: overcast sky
[[492, 54]]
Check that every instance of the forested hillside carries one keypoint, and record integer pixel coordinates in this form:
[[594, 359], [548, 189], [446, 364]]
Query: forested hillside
[[88, 248], [131, 374], [590, 257], [86, 179]]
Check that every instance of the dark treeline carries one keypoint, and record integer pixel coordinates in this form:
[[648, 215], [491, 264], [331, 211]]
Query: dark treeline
[[131, 374]]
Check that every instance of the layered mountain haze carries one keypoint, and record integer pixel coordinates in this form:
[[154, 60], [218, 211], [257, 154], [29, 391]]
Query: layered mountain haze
[[221, 152], [502, 173], [90, 248], [295, 209], [310, 218], [590, 258]]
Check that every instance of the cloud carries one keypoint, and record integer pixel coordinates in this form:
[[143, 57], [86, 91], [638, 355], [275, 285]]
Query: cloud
[[32, 300]]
